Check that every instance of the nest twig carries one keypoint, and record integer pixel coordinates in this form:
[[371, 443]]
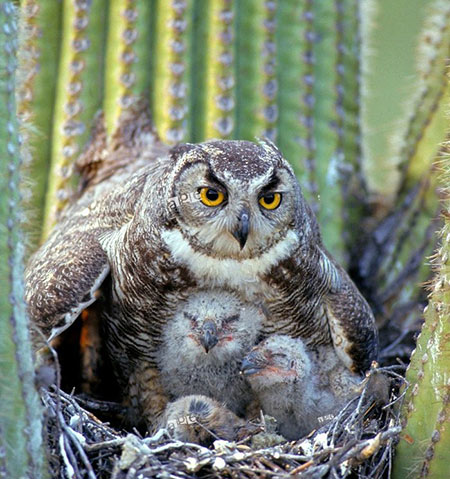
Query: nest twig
[[358, 442]]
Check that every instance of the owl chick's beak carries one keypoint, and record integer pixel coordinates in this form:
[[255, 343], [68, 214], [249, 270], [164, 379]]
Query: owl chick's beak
[[253, 363], [209, 338], [241, 232]]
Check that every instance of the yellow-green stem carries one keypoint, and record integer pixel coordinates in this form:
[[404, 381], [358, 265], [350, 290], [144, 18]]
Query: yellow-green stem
[[78, 97]]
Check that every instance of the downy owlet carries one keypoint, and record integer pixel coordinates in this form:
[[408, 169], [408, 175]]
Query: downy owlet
[[203, 346], [301, 389]]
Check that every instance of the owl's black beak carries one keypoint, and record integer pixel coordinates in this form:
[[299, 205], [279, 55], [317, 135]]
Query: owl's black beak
[[209, 338], [241, 232], [253, 363]]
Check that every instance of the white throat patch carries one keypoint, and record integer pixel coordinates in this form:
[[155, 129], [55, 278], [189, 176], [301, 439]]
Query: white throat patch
[[242, 275]]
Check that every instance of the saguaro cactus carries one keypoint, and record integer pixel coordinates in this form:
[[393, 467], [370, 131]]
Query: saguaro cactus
[[295, 71], [21, 438]]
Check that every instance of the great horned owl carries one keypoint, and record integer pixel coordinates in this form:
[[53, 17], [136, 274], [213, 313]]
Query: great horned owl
[[154, 225], [203, 347], [301, 389]]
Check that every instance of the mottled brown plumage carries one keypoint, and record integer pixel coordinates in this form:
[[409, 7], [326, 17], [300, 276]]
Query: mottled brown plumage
[[139, 235]]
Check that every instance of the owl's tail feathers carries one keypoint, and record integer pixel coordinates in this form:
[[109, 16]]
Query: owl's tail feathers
[[133, 144]]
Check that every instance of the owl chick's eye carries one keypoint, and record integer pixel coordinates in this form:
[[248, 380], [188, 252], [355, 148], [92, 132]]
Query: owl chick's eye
[[231, 319], [191, 318], [278, 355], [211, 197], [270, 201]]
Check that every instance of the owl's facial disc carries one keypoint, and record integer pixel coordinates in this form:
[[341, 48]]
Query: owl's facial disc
[[235, 206]]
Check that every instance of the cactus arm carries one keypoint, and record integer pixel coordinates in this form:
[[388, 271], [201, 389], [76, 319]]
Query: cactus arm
[[388, 84], [417, 144], [423, 448], [21, 435], [127, 66], [77, 98], [425, 413], [256, 97], [170, 89]]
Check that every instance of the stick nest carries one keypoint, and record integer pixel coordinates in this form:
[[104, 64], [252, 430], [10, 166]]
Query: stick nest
[[358, 442]]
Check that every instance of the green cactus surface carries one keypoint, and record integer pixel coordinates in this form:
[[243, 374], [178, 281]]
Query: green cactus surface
[[423, 451], [21, 434]]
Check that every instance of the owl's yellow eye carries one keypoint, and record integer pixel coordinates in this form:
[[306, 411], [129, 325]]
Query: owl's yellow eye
[[211, 197], [270, 201]]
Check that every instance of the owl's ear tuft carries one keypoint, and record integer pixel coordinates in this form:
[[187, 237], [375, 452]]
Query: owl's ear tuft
[[182, 149], [133, 124], [268, 145], [270, 148]]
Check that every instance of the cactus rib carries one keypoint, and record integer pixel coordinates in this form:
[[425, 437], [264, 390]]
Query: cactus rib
[[127, 61], [220, 79], [170, 90], [329, 163], [426, 125], [40, 24], [295, 76], [256, 97], [21, 420], [348, 118], [77, 98]]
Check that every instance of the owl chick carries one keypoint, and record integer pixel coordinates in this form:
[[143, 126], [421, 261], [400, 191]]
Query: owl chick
[[203, 346], [299, 388], [201, 420]]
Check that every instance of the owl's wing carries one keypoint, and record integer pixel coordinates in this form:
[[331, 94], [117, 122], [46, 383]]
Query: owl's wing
[[64, 276], [350, 319]]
